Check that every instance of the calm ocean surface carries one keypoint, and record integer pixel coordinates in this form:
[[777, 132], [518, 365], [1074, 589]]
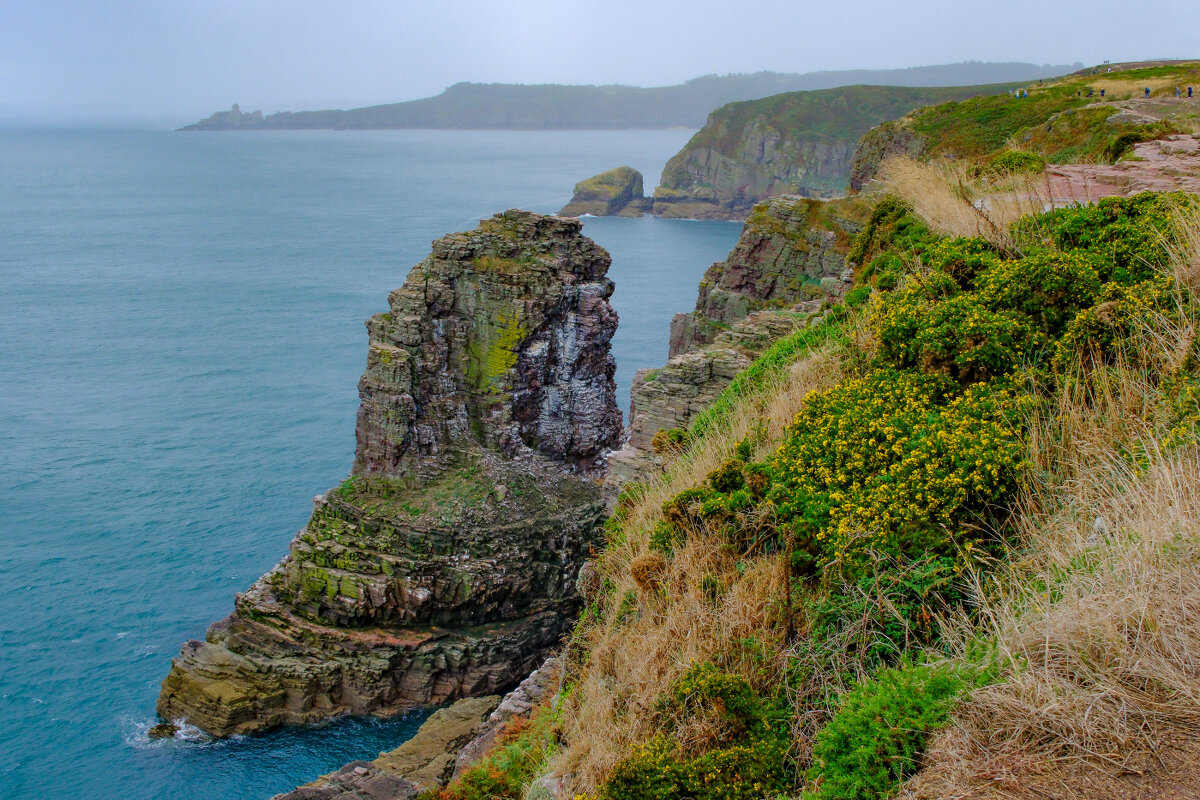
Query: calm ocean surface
[[181, 333]]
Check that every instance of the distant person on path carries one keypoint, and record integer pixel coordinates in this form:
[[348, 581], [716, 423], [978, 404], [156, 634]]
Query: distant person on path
[[1177, 91], [1189, 93], [1102, 93], [1091, 91], [1147, 92]]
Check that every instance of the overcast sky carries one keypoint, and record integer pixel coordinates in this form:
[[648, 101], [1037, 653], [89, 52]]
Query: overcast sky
[[171, 62]]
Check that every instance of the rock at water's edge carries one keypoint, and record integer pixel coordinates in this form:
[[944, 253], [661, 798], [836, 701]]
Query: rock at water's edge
[[446, 565], [617, 192]]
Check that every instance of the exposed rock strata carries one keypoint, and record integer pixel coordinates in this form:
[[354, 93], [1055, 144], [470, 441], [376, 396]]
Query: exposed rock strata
[[420, 765], [788, 261], [892, 138], [449, 742], [798, 143], [446, 565], [617, 192], [787, 246]]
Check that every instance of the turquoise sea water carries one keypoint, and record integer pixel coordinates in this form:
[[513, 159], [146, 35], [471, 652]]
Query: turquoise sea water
[[180, 340]]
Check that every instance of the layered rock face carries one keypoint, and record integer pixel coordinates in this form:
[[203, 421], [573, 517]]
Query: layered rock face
[[702, 182], [880, 143], [445, 565], [447, 744], [787, 248], [617, 192], [798, 143], [789, 260]]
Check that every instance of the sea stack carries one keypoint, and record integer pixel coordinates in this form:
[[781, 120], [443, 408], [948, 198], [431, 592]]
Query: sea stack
[[445, 565], [614, 193]]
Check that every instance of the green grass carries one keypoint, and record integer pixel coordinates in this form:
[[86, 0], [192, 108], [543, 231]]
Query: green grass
[[762, 373]]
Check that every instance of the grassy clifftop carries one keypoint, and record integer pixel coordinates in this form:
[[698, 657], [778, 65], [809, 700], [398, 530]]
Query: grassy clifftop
[[794, 143], [1065, 120]]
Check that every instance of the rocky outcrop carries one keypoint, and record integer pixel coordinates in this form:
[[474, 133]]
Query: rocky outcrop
[[617, 192], [799, 143], [891, 138], [789, 260], [787, 247], [449, 742], [445, 565], [420, 765], [704, 183]]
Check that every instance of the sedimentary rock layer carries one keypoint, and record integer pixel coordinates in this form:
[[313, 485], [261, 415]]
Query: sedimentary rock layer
[[445, 565], [788, 246], [789, 259]]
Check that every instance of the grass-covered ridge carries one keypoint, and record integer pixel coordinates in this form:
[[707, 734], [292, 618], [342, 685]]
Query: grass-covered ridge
[[1062, 121], [850, 549]]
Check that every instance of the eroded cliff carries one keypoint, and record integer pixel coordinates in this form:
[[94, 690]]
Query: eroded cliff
[[445, 565], [799, 143], [788, 262]]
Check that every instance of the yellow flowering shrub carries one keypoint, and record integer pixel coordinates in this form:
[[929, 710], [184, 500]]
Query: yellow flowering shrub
[[896, 462], [1050, 288], [1097, 334], [747, 759]]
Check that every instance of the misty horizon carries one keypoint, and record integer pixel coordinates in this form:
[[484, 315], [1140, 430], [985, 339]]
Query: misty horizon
[[143, 63]]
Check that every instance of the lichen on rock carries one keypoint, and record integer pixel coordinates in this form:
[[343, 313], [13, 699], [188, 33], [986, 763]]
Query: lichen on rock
[[445, 565]]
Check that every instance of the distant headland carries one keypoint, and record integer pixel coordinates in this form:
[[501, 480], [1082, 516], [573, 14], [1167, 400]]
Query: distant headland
[[499, 106]]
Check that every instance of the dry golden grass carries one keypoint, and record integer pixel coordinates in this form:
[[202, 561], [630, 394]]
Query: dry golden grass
[[635, 655], [1098, 611], [954, 203]]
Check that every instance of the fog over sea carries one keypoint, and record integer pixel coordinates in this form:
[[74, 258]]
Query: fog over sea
[[181, 335]]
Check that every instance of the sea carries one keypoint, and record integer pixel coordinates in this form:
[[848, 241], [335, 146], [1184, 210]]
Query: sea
[[181, 334]]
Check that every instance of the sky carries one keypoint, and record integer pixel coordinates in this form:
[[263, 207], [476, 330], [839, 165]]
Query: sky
[[169, 62]]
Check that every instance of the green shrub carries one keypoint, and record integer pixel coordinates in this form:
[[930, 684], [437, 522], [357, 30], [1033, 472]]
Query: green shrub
[[959, 337], [1126, 233], [684, 508], [747, 758], [1017, 162], [1050, 288], [665, 537], [658, 771], [758, 479], [728, 476], [1096, 335], [857, 296], [877, 736], [670, 441]]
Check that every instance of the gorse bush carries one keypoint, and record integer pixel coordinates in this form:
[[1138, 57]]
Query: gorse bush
[[894, 463], [1127, 233], [722, 742]]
